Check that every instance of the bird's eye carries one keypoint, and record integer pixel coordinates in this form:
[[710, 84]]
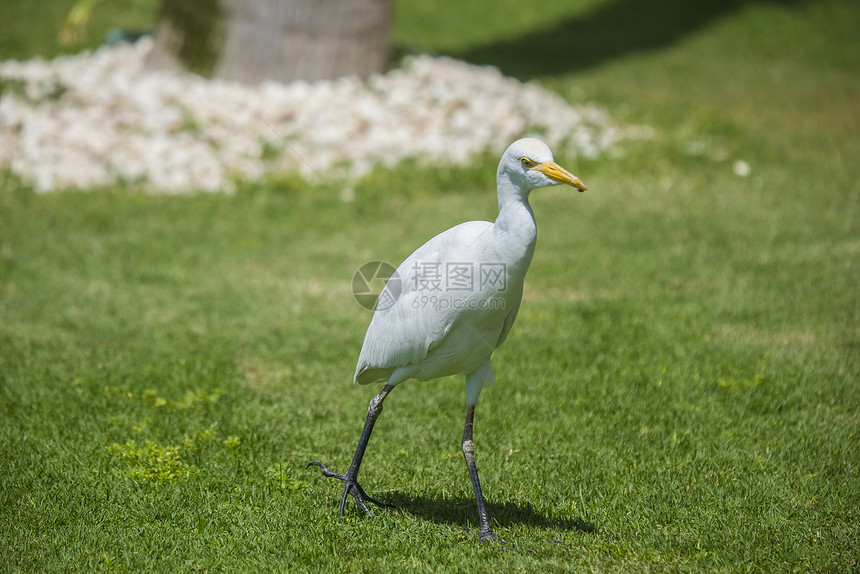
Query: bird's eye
[[527, 162]]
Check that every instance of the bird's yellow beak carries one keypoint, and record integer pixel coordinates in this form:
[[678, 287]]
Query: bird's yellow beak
[[557, 173]]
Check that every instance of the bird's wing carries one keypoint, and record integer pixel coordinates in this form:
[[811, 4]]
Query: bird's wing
[[509, 321], [408, 324]]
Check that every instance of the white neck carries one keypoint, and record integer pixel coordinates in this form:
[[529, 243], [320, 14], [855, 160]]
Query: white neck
[[515, 226]]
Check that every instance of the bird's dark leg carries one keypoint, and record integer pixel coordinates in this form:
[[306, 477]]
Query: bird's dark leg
[[350, 479], [469, 454]]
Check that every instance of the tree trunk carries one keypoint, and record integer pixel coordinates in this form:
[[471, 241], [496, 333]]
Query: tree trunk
[[254, 40]]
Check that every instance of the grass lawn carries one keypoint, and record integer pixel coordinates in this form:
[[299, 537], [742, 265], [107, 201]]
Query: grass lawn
[[679, 394]]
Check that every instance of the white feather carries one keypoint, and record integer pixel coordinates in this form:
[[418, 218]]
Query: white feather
[[438, 327]]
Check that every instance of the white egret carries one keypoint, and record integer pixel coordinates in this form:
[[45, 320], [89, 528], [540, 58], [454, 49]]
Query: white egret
[[452, 302]]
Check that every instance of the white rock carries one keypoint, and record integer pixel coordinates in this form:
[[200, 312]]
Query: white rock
[[98, 118]]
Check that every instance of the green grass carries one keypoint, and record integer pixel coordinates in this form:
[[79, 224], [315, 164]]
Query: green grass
[[29, 29], [680, 392]]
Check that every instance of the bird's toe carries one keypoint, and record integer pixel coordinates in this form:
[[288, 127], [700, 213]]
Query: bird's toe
[[326, 472], [351, 488]]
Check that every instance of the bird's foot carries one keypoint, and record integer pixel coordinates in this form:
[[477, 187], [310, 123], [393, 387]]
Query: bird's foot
[[351, 488], [487, 535]]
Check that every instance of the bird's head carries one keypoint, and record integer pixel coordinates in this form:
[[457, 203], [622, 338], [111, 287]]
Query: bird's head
[[528, 164]]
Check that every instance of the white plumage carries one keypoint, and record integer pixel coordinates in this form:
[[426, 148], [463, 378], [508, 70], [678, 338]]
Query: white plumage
[[432, 331], [453, 302]]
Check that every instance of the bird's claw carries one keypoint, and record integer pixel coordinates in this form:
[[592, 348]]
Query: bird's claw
[[486, 535], [326, 472], [490, 536], [351, 488]]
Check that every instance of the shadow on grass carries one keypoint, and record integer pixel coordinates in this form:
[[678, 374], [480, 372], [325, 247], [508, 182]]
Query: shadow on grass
[[612, 30], [462, 511]]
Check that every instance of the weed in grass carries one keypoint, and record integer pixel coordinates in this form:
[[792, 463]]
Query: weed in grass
[[151, 462]]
